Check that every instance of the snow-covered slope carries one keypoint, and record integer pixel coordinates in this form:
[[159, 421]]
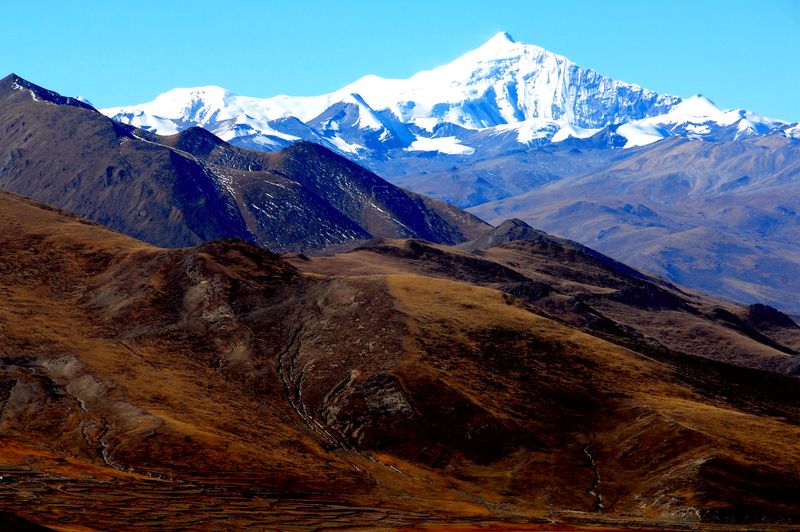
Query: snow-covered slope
[[501, 87], [505, 82], [696, 118]]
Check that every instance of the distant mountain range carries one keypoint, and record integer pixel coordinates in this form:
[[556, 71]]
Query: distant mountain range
[[503, 93], [720, 216], [703, 196]]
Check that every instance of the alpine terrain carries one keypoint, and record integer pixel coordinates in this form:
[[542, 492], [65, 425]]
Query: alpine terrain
[[700, 195], [519, 382], [215, 314]]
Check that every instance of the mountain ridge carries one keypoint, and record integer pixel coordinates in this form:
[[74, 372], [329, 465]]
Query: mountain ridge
[[509, 169], [192, 187]]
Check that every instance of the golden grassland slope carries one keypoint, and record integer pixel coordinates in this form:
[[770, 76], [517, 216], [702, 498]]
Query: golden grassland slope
[[220, 386], [579, 286]]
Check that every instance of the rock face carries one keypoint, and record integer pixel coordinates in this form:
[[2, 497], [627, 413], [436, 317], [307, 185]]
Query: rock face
[[61, 151], [403, 384], [193, 187]]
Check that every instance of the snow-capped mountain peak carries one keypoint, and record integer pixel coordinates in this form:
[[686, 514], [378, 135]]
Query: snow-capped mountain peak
[[502, 91], [697, 105], [499, 46], [366, 116], [500, 38], [500, 82]]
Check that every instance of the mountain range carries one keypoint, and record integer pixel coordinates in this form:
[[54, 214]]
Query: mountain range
[[681, 188], [201, 336], [503, 93]]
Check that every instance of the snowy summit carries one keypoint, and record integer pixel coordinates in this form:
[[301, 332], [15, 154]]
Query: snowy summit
[[503, 91]]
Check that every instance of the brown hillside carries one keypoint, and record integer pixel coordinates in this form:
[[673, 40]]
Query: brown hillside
[[220, 387]]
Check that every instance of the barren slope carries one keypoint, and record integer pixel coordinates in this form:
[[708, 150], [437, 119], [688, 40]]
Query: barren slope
[[717, 216], [589, 290]]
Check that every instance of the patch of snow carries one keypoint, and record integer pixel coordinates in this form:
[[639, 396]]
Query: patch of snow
[[367, 119], [426, 123], [448, 145], [698, 106], [154, 123], [345, 146], [244, 123], [262, 211], [793, 132], [695, 129], [570, 131], [17, 87], [528, 130], [639, 134]]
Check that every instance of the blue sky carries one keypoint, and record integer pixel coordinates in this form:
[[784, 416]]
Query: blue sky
[[739, 54]]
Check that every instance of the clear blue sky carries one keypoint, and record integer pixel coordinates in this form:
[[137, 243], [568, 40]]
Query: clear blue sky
[[738, 53]]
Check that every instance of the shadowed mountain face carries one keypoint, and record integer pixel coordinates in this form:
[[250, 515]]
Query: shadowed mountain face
[[193, 187], [73, 157], [421, 385], [10, 521]]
